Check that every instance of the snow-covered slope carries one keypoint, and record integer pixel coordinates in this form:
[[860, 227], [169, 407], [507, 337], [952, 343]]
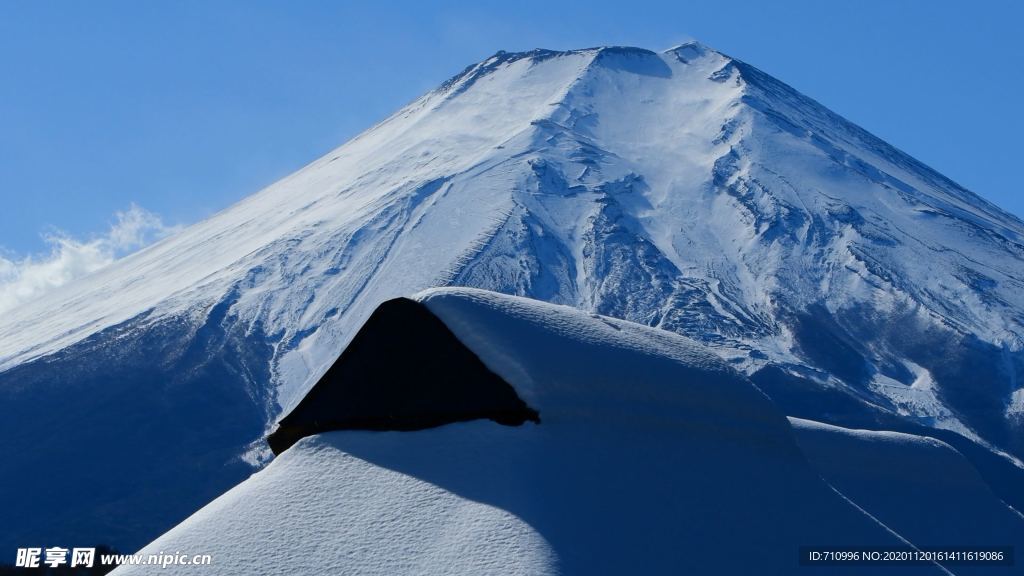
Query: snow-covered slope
[[918, 486], [683, 190], [652, 457]]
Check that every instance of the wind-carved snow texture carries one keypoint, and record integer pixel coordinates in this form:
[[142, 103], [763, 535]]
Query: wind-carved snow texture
[[652, 456], [683, 190]]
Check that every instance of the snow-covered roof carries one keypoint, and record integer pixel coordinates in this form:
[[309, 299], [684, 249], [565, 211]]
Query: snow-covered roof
[[652, 456]]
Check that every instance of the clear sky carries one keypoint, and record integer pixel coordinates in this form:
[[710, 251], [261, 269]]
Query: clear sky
[[185, 107]]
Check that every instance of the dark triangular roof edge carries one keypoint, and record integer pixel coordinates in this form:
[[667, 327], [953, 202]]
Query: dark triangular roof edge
[[404, 370]]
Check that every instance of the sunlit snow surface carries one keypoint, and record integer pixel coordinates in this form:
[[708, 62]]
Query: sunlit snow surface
[[652, 457]]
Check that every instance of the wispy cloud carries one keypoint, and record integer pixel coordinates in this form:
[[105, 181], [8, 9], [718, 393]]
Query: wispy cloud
[[26, 278]]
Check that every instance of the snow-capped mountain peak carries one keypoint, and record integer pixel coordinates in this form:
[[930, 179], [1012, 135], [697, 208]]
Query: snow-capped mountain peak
[[684, 190]]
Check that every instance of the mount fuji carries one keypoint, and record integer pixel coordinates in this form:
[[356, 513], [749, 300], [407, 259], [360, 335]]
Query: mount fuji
[[683, 190]]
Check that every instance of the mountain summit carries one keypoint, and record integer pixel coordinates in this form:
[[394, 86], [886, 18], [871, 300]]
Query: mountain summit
[[683, 190]]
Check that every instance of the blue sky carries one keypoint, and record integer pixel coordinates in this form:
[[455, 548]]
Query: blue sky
[[182, 108]]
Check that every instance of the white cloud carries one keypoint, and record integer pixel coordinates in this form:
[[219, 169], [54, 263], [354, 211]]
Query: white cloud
[[27, 278]]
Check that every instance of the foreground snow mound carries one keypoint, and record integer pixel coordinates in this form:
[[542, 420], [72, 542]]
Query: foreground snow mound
[[919, 486], [651, 457]]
